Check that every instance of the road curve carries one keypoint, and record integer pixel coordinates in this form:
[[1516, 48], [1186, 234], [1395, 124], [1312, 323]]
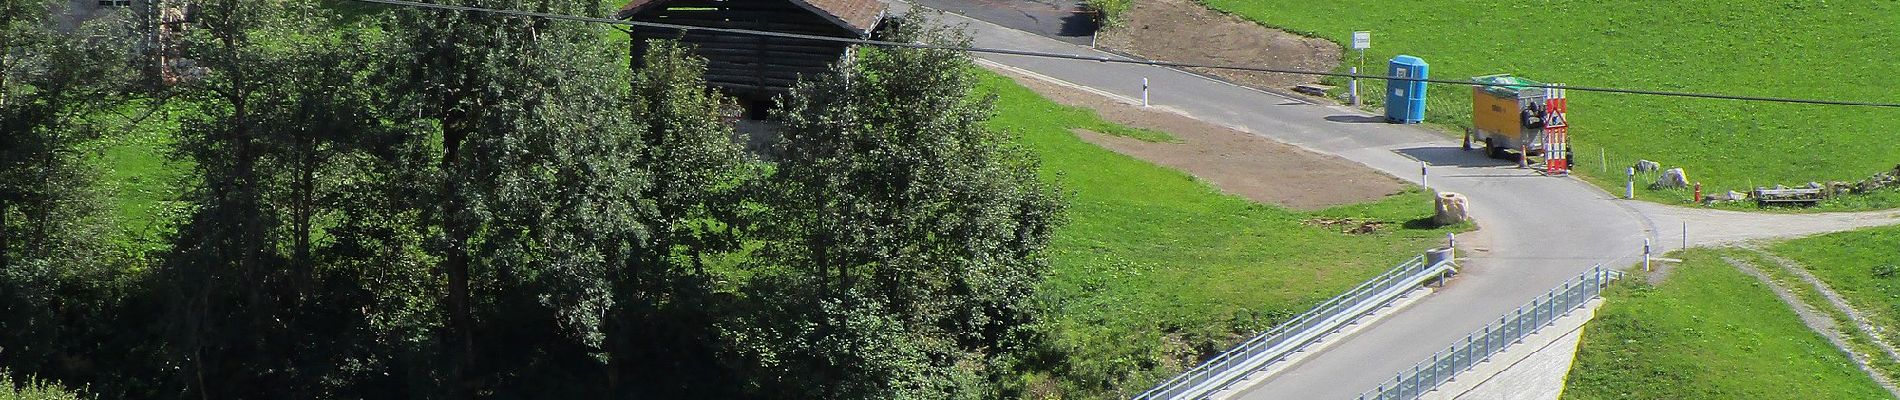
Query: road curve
[[1535, 231]]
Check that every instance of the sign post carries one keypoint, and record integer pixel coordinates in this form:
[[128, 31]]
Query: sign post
[[1556, 132], [1361, 40]]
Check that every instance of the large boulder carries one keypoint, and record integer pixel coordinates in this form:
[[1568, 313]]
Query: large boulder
[[1451, 208], [1673, 178]]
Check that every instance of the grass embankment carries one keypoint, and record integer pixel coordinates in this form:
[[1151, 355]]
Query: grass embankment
[[1863, 266], [1155, 268], [1708, 332], [1833, 50]]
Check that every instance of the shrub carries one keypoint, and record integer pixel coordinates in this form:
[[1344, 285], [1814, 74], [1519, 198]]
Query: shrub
[[1108, 13], [1885, 271], [33, 389]]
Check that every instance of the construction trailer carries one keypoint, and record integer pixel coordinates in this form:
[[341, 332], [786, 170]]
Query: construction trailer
[[1518, 118]]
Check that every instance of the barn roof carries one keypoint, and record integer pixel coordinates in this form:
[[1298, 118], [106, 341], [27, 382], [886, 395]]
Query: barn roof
[[856, 15]]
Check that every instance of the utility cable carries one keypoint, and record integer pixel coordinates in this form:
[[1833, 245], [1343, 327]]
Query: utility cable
[[1102, 59]]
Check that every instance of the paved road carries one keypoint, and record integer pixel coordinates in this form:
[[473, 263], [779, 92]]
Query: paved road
[[1536, 231]]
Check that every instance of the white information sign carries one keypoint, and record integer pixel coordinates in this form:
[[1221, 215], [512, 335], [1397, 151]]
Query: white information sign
[[1361, 40]]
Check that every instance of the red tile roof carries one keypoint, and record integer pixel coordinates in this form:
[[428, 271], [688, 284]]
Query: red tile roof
[[856, 15]]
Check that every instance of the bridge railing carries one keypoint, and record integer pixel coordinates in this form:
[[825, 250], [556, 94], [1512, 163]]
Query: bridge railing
[[1495, 337], [1282, 340]]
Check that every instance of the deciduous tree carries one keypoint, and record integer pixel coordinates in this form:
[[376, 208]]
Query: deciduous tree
[[912, 233]]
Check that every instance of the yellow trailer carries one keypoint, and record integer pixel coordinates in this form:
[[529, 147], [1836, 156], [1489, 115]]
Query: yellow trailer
[[1507, 113]]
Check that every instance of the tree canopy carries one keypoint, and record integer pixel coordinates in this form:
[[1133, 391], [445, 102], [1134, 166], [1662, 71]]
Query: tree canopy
[[391, 202]]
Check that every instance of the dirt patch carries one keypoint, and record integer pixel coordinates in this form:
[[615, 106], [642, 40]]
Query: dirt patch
[[1236, 162], [1186, 31], [1348, 225]]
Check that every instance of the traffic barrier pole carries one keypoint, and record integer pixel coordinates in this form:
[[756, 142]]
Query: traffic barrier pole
[[1629, 188], [1645, 254], [1353, 91]]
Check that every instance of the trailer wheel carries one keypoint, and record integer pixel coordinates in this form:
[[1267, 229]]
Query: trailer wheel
[[1491, 149]]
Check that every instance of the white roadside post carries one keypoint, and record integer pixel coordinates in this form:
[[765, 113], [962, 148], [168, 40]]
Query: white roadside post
[[1352, 88], [1424, 179], [1629, 186], [1645, 254], [1144, 91]]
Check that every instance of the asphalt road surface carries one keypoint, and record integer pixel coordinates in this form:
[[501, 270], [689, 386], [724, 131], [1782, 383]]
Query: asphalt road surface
[[1535, 231]]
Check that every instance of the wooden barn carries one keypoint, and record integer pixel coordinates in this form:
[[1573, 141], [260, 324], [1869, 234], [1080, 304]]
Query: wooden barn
[[755, 68]]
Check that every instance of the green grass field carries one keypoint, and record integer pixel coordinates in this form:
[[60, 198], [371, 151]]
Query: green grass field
[[142, 179], [1806, 49], [1863, 266], [1156, 268], [1708, 332]]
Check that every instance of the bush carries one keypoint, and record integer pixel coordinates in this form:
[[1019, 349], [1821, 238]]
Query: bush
[[1108, 13], [33, 389]]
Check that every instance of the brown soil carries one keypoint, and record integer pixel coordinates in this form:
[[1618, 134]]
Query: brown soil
[[1186, 31], [1348, 225], [1236, 162]]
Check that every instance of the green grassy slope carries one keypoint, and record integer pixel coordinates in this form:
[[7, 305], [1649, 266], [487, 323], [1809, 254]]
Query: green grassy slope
[[1155, 268], [1708, 332], [1863, 266], [1808, 49]]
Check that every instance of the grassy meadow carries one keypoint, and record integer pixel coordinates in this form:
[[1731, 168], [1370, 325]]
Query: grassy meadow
[[1707, 332], [1863, 266], [1802, 48]]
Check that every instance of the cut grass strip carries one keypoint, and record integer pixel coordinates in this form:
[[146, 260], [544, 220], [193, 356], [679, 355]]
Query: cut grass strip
[[1863, 266], [1820, 315], [1708, 332]]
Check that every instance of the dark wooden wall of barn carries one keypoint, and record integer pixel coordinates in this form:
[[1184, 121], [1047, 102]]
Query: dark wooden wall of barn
[[753, 68]]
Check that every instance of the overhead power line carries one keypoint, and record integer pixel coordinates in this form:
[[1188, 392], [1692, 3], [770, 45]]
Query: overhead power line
[[1102, 59]]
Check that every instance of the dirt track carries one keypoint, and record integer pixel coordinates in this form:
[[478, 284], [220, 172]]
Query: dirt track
[[1236, 162]]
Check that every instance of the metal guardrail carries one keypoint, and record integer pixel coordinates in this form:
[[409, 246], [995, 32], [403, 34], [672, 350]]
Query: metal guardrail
[[1479, 346], [1275, 344]]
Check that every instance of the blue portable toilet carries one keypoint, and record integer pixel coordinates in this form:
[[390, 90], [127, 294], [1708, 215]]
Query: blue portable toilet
[[1405, 100]]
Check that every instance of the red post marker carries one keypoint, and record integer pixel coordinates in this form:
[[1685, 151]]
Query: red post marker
[[1698, 192]]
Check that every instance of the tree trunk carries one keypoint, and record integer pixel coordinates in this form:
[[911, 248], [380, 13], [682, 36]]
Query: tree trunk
[[4, 233], [301, 221], [455, 264]]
